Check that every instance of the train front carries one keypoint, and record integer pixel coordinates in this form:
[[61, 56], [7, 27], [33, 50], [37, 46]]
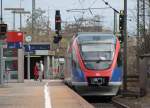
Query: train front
[[97, 55]]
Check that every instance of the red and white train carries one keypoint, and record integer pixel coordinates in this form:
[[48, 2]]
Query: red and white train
[[91, 64]]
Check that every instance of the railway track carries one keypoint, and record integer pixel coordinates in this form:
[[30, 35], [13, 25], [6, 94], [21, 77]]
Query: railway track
[[103, 105], [119, 104], [100, 102], [104, 102]]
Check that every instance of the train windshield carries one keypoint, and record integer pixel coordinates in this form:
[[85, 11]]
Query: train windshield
[[97, 55]]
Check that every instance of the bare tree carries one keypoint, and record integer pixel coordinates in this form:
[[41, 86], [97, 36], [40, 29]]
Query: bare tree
[[85, 24], [41, 25]]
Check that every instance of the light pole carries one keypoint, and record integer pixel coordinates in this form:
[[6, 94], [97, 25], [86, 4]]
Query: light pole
[[20, 17], [17, 11], [28, 39], [125, 48], [1, 50], [28, 61], [20, 13], [1, 64], [33, 12], [14, 11], [14, 20], [1, 11]]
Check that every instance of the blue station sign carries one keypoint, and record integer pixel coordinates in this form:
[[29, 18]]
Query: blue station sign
[[34, 47]]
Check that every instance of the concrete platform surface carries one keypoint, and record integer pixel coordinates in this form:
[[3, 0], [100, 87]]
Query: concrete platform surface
[[35, 94]]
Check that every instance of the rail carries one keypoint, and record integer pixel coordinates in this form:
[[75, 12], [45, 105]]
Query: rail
[[119, 104]]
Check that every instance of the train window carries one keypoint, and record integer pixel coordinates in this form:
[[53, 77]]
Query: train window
[[97, 56], [86, 38], [68, 65], [97, 51], [74, 59], [73, 54], [69, 56], [97, 47]]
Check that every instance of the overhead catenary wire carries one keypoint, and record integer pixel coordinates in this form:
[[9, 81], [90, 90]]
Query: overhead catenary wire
[[93, 3], [80, 3], [90, 8], [106, 3], [85, 9]]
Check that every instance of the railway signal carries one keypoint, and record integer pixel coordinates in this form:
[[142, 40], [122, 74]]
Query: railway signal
[[3, 31], [121, 24], [57, 21], [121, 20], [58, 37]]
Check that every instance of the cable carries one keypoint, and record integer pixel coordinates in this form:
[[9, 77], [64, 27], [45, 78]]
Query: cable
[[106, 3], [91, 6], [79, 10], [93, 3], [81, 3]]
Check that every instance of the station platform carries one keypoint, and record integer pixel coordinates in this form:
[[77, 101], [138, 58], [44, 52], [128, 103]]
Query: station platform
[[36, 94]]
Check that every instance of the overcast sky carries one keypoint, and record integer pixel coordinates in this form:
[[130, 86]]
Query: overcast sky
[[64, 5]]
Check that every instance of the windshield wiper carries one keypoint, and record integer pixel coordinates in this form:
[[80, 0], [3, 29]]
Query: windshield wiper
[[98, 61], [101, 59]]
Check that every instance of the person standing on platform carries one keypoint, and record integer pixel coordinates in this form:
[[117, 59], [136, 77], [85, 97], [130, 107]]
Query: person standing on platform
[[41, 71], [36, 71]]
